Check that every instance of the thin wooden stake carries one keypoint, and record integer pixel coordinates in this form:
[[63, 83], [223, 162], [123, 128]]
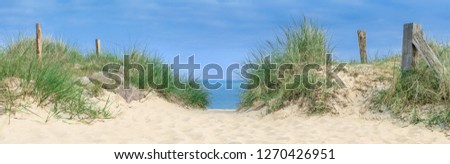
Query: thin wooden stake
[[362, 46], [97, 47], [328, 64], [38, 41]]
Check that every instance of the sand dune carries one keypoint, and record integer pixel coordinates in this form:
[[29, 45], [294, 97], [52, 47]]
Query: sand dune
[[157, 121], [154, 120]]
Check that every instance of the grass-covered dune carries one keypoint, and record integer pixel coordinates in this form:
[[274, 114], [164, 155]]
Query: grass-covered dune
[[418, 95], [52, 81], [300, 44]]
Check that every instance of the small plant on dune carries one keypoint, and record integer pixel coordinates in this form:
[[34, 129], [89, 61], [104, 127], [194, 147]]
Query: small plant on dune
[[301, 44], [419, 95], [48, 80]]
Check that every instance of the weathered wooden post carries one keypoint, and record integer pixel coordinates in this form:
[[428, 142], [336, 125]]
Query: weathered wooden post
[[410, 55], [97, 47], [362, 46], [38, 41], [415, 44]]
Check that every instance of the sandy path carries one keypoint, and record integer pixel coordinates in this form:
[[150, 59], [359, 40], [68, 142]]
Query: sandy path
[[157, 121]]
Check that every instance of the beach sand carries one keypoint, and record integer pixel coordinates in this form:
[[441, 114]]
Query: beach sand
[[156, 121]]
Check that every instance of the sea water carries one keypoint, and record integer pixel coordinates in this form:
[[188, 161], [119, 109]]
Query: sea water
[[224, 98]]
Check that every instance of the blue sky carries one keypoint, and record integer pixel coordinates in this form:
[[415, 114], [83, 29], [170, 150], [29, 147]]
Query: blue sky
[[220, 31]]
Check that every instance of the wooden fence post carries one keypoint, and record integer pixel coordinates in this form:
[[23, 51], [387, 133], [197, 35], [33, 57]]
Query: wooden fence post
[[362, 46], [410, 55], [415, 44], [97, 47], [38, 41]]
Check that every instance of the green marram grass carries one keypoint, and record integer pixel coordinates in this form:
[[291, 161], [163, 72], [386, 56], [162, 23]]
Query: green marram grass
[[300, 44], [49, 80], [52, 80], [419, 95]]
